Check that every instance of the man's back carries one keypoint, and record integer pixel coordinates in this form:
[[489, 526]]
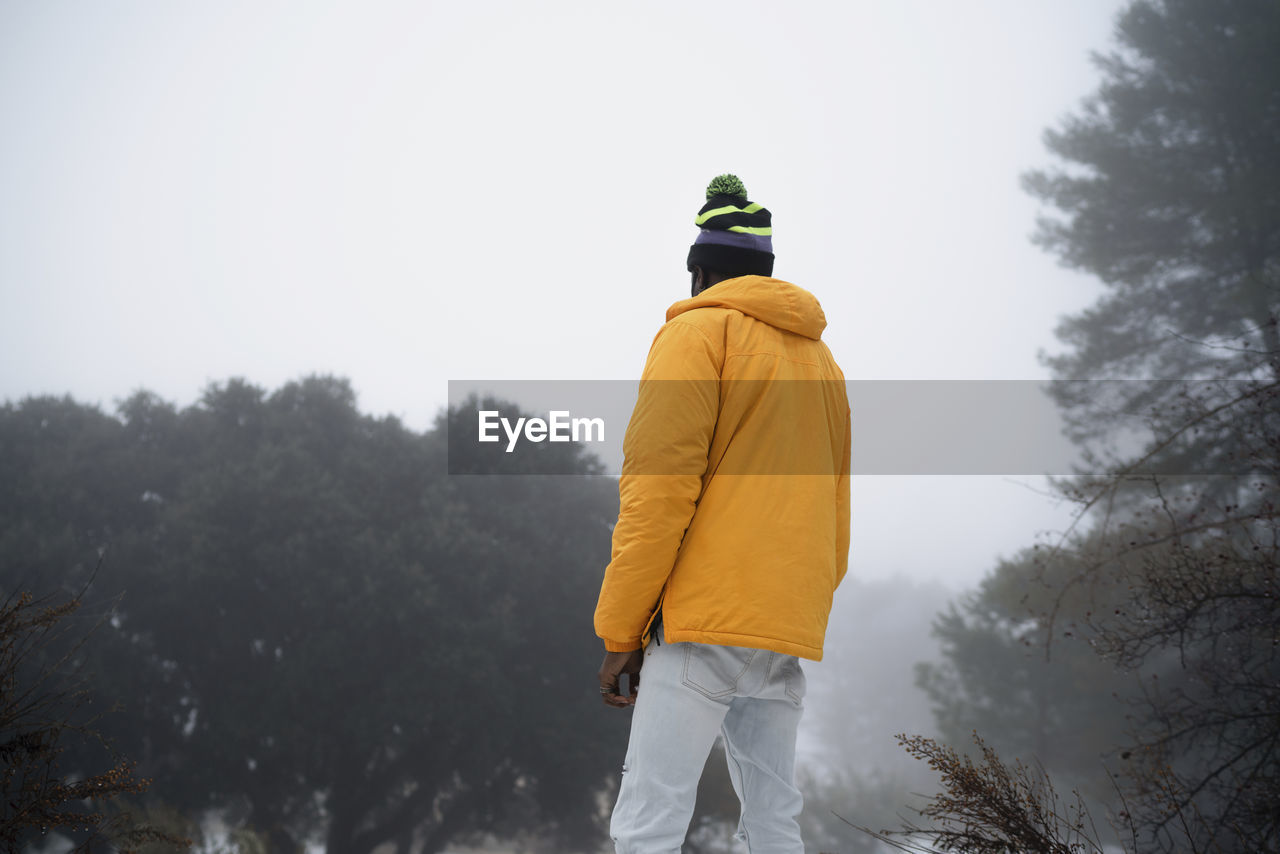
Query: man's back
[[735, 489]]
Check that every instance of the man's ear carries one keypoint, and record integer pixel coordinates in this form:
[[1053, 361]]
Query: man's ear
[[699, 281]]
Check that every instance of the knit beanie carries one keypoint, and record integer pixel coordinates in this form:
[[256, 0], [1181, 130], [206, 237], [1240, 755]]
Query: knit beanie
[[736, 235]]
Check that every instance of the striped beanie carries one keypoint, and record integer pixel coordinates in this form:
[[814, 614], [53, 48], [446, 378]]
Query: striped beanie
[[736, 235]]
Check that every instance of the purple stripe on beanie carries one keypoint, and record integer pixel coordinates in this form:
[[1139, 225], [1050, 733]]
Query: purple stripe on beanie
[[758, 242]]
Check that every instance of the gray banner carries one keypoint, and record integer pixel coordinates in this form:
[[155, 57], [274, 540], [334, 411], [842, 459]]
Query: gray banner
[[900, 427]]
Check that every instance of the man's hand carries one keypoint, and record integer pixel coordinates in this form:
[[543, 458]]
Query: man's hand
[[615, 664]]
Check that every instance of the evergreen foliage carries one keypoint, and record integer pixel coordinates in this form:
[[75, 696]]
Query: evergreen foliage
[[320, 633], [1168, 191], [44, 712]]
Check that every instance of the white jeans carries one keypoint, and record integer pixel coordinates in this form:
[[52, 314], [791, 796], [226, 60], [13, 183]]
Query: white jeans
[[689, 693]]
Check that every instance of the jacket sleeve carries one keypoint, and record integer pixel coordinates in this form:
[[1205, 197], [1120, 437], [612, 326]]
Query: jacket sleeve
[[665, 458], [842, 503]]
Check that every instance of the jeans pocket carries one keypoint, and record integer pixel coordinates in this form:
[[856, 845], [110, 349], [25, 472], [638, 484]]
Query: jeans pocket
[[714, 671], [793, 679]]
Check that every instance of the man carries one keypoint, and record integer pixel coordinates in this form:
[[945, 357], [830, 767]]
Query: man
[[732, 536]]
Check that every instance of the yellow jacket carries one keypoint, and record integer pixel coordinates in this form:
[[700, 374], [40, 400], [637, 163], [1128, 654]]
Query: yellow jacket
[[734, 517]]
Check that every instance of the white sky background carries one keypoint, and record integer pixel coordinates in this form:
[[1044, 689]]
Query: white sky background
[[407, 193]]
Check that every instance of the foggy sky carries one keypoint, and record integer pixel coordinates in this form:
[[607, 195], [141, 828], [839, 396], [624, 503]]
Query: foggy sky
[[408, 193]]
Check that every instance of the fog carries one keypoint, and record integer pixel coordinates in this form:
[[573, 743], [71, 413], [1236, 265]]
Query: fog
[[253, 259], [407, 194]]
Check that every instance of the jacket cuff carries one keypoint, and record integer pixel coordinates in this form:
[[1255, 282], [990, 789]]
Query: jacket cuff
[[620, 646]]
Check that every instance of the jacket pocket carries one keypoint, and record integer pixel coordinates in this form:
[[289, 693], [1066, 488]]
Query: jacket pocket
[[714, 671]]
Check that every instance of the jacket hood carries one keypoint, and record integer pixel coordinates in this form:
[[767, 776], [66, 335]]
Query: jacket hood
[[773, 301]]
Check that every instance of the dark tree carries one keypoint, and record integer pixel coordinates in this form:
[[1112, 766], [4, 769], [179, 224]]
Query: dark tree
[[1059, 705], [1169, 192], [45, 709], [1195, 618], [1171, 195], [321, 633]]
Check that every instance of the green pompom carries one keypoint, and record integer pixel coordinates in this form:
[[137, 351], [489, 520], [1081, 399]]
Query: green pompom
[[726, 185]]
